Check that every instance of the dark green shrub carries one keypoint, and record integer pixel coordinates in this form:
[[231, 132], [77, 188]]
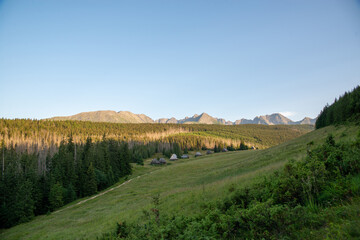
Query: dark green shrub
[[122, 230]]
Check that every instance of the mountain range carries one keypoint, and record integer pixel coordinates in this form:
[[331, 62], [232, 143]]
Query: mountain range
[[204, 118]]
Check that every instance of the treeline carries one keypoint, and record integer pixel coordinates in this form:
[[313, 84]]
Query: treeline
[[347, 107], [293, 203], [29, 187], [41, 136]]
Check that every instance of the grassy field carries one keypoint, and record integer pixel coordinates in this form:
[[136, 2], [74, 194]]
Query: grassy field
[[183, 186]]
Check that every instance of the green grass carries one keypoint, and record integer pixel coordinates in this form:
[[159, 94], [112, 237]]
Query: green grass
[[184, 186]]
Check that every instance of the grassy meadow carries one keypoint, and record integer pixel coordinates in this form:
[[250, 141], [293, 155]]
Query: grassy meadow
[[183, 185]]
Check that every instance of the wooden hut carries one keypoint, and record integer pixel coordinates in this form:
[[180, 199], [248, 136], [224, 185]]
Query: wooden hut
[[155, 162], [162, 161]]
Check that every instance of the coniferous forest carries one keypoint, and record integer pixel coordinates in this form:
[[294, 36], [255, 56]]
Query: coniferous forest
[[30, 186], [75, 171], [43, 135], [347, 107]]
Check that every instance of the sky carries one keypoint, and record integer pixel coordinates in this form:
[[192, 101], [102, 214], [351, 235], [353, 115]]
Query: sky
[[230, 59]]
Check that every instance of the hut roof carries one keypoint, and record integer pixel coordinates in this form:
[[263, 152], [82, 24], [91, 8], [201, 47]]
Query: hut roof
[[174, 157], [155, 162], [198, 154]]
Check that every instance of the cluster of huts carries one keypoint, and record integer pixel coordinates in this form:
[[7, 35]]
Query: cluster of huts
[[174, 157], [162, 161]]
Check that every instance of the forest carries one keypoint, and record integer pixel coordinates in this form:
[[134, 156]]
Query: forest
[[41, 136], [346, 108], [75, 171], [30, 187]]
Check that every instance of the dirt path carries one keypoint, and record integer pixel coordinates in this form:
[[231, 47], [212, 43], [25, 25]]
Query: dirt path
[[102, 193]]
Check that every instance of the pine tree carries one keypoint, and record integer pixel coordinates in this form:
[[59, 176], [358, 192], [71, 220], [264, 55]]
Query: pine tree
[[126, 158], [90, 182], [186, 151], [216, 148], [176, 149], [70, 194], [56, 196]]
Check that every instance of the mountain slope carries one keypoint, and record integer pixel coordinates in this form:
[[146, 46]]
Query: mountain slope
[[203, 118], [307, 120], [184, 186], [108, 116], [273, 119]]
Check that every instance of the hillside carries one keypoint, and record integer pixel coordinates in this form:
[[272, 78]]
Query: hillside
[[346, 108], [184, 186], [108, 116], [204, 118], [36, 135]]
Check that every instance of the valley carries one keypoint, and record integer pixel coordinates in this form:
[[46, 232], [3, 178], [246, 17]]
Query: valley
[[182, 186], [179, 120], [290, 183]]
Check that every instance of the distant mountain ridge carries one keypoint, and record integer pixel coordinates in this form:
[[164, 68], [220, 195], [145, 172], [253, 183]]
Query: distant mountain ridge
[[204, 118], [108, 116]]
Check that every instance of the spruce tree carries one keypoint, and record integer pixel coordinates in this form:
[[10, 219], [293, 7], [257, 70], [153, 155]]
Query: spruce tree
[[56, 196], [90, 185], [186, 151]]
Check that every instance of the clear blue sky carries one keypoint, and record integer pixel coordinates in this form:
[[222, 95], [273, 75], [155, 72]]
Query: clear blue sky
[[231, 59]]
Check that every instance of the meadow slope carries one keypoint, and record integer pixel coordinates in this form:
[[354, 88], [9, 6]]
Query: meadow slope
[[183, 187]]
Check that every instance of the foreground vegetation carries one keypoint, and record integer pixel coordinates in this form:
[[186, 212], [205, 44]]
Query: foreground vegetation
[[186, 187]]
